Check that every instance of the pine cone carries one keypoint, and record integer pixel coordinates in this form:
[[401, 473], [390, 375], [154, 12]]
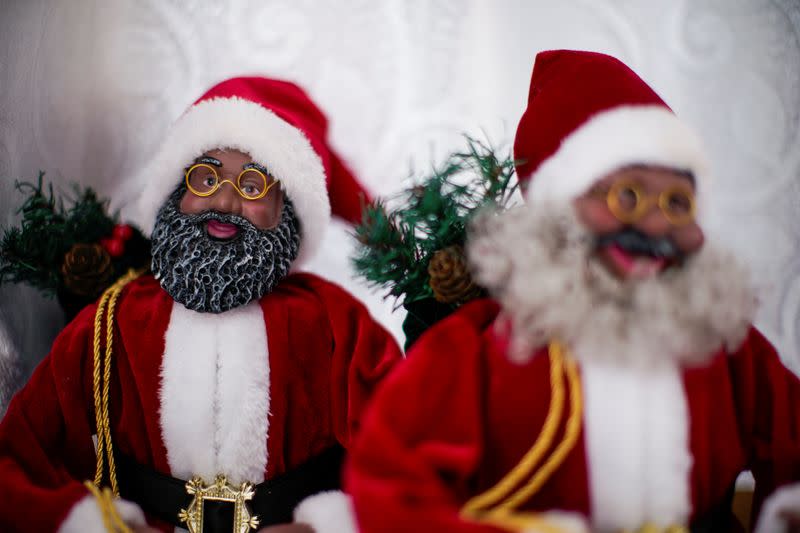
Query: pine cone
[[87, 269], [449, 276]]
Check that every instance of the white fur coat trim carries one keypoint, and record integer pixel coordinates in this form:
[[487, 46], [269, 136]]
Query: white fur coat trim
[[327, 512], [637, 444], [243, 125], [215, 394], [616, 138], [85, 517], [786, 498]]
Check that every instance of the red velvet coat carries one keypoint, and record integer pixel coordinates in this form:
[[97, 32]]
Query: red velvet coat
[[457, 415], [193, 393]]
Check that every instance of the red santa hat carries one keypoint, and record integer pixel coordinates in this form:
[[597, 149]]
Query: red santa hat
[[280, 127], [588, 115]]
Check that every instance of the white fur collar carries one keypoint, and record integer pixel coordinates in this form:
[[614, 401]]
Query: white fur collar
[[215, 394], [637, 445]]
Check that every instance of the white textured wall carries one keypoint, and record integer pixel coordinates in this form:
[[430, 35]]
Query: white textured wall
[[88, 88]]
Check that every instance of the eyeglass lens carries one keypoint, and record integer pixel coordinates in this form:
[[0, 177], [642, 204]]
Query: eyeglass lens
[[675, 203], [252, 183], [204, 180]]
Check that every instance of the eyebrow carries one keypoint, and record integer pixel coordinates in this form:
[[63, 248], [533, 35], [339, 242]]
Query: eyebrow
[[208, 160], [253, 164], [688, 175]]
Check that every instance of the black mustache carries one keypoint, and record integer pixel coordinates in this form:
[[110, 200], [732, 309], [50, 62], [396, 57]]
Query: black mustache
[[225, 218], [637, 242]]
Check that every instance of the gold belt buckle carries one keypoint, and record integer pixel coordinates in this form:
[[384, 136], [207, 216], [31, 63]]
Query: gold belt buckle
[[220, 491]]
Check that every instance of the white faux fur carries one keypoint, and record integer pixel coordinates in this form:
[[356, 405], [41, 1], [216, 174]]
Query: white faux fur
[[239, 124], [327, 512], [637, 437], [538, 263], [617, 138], [215, 393], [785, 499], [85, 517]]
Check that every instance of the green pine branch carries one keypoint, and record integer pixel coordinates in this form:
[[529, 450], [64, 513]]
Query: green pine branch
[[396, 245], [33, 252]]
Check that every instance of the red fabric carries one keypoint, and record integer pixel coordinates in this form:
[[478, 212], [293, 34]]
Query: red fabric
[[325, 352], [456, 416], [293, 105], [560, 101]]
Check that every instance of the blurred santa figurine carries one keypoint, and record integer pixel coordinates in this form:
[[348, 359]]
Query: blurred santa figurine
[[614, 382]]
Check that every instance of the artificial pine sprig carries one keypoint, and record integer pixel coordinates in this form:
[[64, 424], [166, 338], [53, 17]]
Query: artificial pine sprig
[[397, 245], [33, 253], [73, 250]]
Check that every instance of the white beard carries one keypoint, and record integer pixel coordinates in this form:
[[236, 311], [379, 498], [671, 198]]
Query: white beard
[[537, 261]]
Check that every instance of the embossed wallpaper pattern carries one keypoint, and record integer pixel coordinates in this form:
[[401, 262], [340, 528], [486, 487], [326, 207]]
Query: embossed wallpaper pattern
[[89, 87]]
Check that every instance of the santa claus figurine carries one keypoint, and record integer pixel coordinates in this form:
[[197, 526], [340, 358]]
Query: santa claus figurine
[[218, 393], [614, 382]]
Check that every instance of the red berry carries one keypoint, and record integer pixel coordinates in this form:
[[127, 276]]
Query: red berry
[[122, 232], [115, 247]]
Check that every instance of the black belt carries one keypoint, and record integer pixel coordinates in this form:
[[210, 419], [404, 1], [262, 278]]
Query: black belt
[[719, 519], [163, 496]]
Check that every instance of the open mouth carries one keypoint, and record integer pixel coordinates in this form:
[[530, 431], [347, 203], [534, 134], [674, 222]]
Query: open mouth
[[633, 265], [221, 231], [630, 254]]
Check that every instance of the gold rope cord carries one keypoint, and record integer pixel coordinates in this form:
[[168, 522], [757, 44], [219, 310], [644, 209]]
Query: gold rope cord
[[106, 307], [98, 412], [571, 434], [543, 442], [101, 503], [108, 511], [112, 304], [496, 505]]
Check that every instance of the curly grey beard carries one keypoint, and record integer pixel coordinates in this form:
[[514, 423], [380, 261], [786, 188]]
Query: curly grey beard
[[211, 276], [538, 262]]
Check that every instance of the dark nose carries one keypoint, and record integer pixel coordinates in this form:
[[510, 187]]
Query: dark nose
[[226, 199], [654, 223]]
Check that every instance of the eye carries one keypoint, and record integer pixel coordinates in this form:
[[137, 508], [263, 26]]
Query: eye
[[679, 202], [252, 182], [202, 178], [627, 197]]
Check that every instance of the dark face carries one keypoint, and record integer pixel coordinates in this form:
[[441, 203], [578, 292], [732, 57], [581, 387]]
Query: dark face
[[264, 213], [654, 239], [223, 251]]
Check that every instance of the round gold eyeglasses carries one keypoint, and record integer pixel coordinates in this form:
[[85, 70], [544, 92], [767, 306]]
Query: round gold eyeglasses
[[628, 202], [203, 180]]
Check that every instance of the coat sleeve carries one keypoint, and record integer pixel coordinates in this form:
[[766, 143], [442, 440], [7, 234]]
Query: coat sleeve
[[411, 466], [363, 354], [46, 450], [769, 403]]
